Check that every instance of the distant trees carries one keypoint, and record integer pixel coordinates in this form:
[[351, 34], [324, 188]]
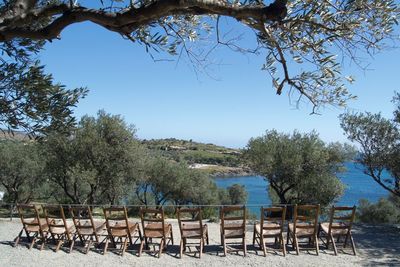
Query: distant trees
[[21, 171], [379, 140], [99, 162], [165, 181], [300, 168], [237, 194]]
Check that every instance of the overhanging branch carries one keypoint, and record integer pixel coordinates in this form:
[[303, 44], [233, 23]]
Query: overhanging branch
[[63, 15]]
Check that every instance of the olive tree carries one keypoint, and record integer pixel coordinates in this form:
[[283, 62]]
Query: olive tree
[[21, 171], [379, 140], [166, 181], [315, 35], [98, 163], [300, 168]]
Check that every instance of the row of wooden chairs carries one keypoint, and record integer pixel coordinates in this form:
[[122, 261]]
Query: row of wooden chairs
[[119, 231]]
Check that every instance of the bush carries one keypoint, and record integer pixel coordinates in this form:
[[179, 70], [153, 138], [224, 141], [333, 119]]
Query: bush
[[383, 211]]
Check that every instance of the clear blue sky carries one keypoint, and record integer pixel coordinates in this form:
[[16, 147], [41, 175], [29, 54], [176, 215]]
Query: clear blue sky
[[166, 99]]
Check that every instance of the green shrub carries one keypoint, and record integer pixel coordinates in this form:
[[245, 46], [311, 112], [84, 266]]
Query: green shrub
[[383, 211]]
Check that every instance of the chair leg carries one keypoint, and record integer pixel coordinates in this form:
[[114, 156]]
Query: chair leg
[[161, 247], [264, 249], [201, 247], [296, 244], [288, 236], [88, 246], [353, 247], [72, 245], [124, 246], [244, 247], [32, 242], [16, 240], [172, 236], [43, 242], [283, 245], [141, 246], [346, 239], [333, 243], [181, 248], [316, 244], [254, 236], [105, 247], [224, 245], [59, 243]]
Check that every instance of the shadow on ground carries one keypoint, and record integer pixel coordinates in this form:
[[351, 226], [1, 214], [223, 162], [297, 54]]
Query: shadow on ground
[[378, 244]]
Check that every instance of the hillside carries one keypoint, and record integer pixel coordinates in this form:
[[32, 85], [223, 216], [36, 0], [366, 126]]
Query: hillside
[[217, 160]]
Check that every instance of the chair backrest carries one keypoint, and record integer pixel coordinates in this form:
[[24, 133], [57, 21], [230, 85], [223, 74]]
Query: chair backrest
[[153, 221], [117, 220], [306, 217], [233, 218], [190, 220], [342, 218], [30, 218], [55, 219], [272, 218], [83, 220]]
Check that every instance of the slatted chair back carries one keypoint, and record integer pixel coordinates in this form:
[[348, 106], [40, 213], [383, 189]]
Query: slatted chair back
[[87, 229], [30, 219], [117, 221], [56, 221], [60, 230], [233, 226], [34, 227], [341, 218], [83, 221], [153, 222], [306, 218], [272, 219], [190, 222], [233, 218]]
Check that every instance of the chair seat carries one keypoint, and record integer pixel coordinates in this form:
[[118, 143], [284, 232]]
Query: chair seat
[[308, 229], [61, 230], [270, 231], [234, 233], [86, 228], [35, 228], [343, 231], [154, 230], [193, 230], [133, 227]]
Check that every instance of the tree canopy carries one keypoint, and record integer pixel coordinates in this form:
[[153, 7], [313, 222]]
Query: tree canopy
[[379, 140], [98, 163], [315, 35], [21, 171], [300, 168]]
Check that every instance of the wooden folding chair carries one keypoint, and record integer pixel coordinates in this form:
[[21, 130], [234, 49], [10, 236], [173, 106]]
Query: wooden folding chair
[[154, 227], [339, 225], [304, 225], [34, 227], [191, 227], [233, 226], [120, 229], [60, 230], [87, 230], [271, 226]]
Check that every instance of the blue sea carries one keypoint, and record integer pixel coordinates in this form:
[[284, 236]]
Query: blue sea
[[358, 185]]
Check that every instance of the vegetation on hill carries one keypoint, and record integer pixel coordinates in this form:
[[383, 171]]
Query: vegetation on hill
[[216, 160]]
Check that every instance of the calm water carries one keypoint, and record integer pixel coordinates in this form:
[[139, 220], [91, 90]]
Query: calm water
[[358, 185]]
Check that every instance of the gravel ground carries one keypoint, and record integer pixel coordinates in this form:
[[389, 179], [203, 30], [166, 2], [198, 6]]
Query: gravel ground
[[376, 245]]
